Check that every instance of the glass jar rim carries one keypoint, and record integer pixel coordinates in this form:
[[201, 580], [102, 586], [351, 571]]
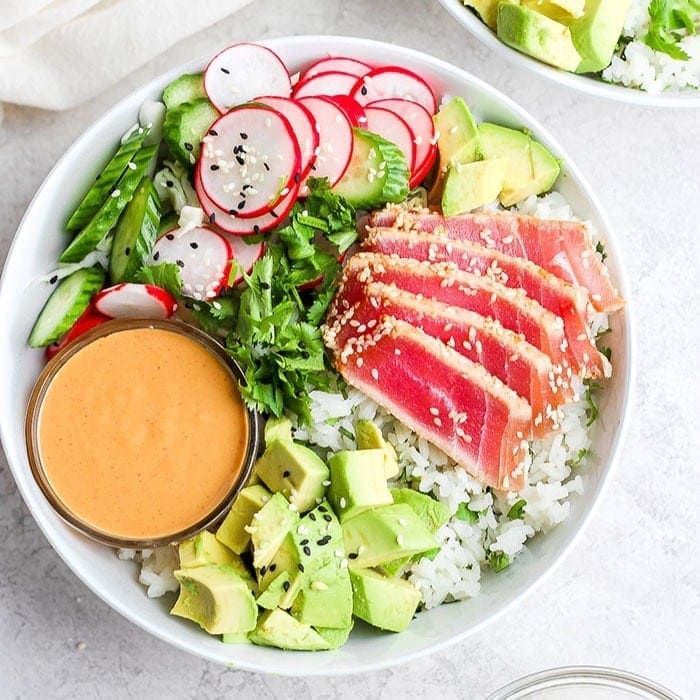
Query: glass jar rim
[[39, 391]]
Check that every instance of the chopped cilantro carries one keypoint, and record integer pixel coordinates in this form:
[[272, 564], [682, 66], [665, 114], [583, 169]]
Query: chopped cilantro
[[578, 460], [498, 561], [346, 433], [600, 249], [670, 21], [165, 275], [590, 398], [516, 510], [606, 352], [463, 513]]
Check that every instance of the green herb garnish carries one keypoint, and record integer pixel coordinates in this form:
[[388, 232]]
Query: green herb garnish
[[165, 275], [670, 21], [498, 561], [516, 510], [463, 513], [600, 249], [578, 460], [590, 398]]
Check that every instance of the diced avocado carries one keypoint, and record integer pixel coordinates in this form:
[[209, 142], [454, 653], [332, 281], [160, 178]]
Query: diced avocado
[[295, 471], [531, 168], [235, 638], [326, 600], [560, 10], [487, 9], [216, 598], [357, 482], [232, 532], [387, 603], [335, 637], [458, 138], [277, 628], [537, 35], [269, 527], [432, 513], [184, 88], [596, 33], [203, 549], [278, 429], [270, 598], [470, 186], [369, 437], [382, 534]]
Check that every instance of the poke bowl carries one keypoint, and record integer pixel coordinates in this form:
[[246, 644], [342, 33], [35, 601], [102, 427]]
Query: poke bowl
[[638, 73], [491, 552]]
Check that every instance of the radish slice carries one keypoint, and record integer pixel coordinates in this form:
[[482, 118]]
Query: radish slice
[[245, 255], [393, 81], [335, 132], [333, 83], [89, 319], [249, 160], [393, 128], [244, 227], [354, 112], [129, 300], [337, 65], [303, 125], [420, 122], [242, 71], [203, 256]]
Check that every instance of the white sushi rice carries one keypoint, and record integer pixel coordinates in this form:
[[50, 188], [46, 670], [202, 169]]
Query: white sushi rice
[[639, 66]]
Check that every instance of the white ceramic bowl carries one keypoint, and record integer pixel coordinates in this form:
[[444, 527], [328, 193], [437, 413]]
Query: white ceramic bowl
[[583, 83], [34, 251]]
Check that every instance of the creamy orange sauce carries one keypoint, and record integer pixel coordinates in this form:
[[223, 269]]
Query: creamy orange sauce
[[142, 433]]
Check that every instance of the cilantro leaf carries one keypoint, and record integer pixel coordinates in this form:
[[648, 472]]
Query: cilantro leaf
[[463, 513], [670, 21], [165, 275], [498, 561], [578, 460], [516, 510]]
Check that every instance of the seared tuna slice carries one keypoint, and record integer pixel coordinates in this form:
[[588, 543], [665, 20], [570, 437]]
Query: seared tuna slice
[[446, 283], [564, 300], [560, 247], [519, 365], [444, 397]]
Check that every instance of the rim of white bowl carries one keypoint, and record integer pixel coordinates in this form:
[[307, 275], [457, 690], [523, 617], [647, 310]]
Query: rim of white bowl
[[338, 44], [581, 83]]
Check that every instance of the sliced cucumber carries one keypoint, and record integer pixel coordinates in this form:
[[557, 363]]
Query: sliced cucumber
[[186, 88], [106, 217], [167, 222], [135, 233], [106, 180], [185, 127], [377, 172], [65, 305]]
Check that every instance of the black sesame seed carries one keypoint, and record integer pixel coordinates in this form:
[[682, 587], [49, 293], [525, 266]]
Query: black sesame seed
[[327, 518], [363, 90], [240, 205], [156, 255], [225, 70], [307, 551], [303, 542], [212, 217], [212, 132], [170, 236], [286, 586], [312, 516], [180, 263], [127, 251], [272, 567], [213, 166], [301, 567], [53, 280], [232, 212], [322, 509], [263, 571], [323, 541], [297, 177], [247, 187], [242, 194], [313, 167], [169, 183], [286, 473], [256, 228], [267, 167], [189, 146], [264, 285], [188, 305], [194, 245], [240, 160], [244, 136], [352, 555], [237, 149]]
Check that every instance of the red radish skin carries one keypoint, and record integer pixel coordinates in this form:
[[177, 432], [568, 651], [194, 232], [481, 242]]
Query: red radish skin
[[336, 139], [392, 127], [394, 81], [240, 72], [354, 112], [327, 84], [303, 124], [244, 227], [245, 255], [265, 160], [203, 256], [90, 318], [420, 122], [129, 300], [340, 64]]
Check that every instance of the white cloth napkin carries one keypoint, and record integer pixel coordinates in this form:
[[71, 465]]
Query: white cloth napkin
[[55, 54]]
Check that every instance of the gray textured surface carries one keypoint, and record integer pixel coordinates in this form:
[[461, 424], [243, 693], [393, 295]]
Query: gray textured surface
[[627, 596]]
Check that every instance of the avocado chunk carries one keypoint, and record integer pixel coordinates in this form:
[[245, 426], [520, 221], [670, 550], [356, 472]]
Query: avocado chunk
[[232, 532], [432, 513], [596, 33], [295, 471], [269, 527], [270, 598], [369, 437], [335, 637], [531, 168], [357, 482], [216, 598], [278, 429], [322, 604], [560, 10], [203, 549], [472, 185], [387, 603], [277, 628], [382, 534], [487, 10], [537, 35]]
